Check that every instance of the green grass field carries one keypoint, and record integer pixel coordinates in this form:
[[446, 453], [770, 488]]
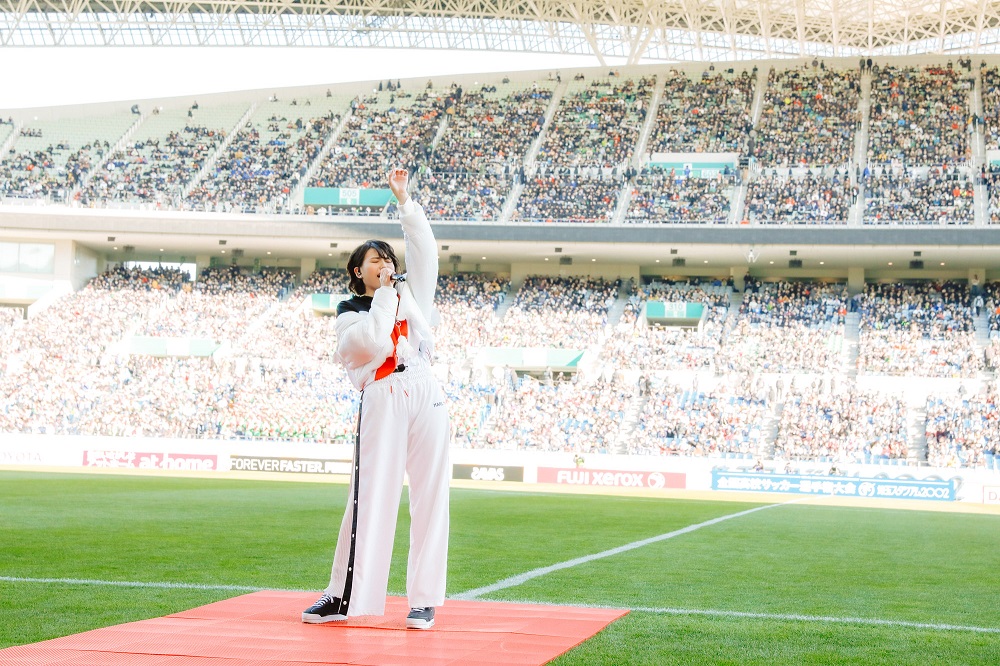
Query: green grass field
[[723, 594]]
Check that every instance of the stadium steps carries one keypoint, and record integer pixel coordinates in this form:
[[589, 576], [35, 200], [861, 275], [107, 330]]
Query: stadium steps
[[978, 138], [442, 128], [536, 145], [259, 322], [738, 201], [209, 164], [757, 108], [861, 138], [735, 301], [116, 149], [769, 431], [852, 331], [618, 307], [916, 430], [981, 202], [861, 150], [297, 197], [624, 198], [981, 194], [8, 141], [639, 151], [635, 408], [515, 286], [510, 205], [982, 324]]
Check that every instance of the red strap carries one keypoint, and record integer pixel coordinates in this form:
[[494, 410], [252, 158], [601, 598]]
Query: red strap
[[387, 368]]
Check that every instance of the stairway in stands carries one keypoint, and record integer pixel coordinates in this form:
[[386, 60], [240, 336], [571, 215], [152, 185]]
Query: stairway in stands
[[515, 286], [852, 333], [630, 422]]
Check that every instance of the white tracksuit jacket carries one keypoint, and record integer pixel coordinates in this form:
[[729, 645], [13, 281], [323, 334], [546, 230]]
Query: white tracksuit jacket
[[402, 426]]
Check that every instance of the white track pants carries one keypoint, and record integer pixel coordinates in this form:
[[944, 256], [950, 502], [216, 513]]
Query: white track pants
[[403, 426]]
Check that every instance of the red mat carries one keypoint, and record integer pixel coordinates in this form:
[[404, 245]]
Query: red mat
[[265, 629]]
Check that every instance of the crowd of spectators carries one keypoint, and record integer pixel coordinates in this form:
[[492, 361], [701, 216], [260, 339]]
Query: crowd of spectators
[[636, 343], [473, 165], [662, 196], [810, 117], [469, 407], [774, 198], [278, 379], [922, 329], [562, 194], [154, 170], [215, 306], [582, 162], [848, 425], [9, 318], [65, 353], [51, 173], [991, 179], [571, 416], [293, 330], [708, 115], [385, 130], [557, 312], [963, 431], [597, 124], [467, 304], [919, 116], [939, 196], [786, 327], [991, 106], [685, 421], [263, 164]]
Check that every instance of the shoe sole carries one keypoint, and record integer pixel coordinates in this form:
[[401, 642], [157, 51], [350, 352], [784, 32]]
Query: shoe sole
[[310, 618], [419, 624]]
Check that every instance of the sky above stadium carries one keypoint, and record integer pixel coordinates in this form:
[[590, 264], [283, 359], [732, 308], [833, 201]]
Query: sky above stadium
[[127, 74]]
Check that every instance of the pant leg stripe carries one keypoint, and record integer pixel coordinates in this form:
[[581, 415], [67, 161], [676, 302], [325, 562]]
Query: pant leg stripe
[[349, 582]]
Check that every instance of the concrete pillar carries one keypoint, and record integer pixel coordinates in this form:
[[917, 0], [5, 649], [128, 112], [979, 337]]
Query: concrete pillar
[[855, 280], [201, 262], [738, 272], [308, 268]]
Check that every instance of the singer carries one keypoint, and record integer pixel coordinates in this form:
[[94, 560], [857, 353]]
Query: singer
[[385, 343]]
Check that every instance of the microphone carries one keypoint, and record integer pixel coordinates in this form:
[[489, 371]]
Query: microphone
[[398, 277]]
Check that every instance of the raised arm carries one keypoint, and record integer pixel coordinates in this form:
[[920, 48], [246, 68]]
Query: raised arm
[[421, 248]]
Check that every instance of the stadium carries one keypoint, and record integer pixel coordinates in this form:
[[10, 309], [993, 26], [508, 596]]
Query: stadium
[[719, 332]]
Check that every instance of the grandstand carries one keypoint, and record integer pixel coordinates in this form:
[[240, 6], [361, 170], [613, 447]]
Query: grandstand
[[708, 260]]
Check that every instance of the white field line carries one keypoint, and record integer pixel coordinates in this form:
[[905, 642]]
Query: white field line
[[871, 621], [638, 609], [127, 583], [514, 581]]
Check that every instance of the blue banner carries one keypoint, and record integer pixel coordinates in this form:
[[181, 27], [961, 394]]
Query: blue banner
[[847, 486]]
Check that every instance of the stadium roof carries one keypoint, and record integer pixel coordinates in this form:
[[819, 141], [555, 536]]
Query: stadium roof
[[635, 30]]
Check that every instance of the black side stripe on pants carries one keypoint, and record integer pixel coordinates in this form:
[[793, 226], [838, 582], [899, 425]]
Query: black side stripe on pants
[[349, 582]]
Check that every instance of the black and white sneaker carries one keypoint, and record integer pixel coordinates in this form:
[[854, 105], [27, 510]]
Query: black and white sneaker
[[327, 609], [420, 618]]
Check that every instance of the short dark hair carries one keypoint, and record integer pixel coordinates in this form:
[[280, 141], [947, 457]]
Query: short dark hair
[[358, 257]]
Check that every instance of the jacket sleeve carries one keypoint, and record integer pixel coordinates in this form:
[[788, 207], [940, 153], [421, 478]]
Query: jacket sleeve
[[421, 255], [365, 336]]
